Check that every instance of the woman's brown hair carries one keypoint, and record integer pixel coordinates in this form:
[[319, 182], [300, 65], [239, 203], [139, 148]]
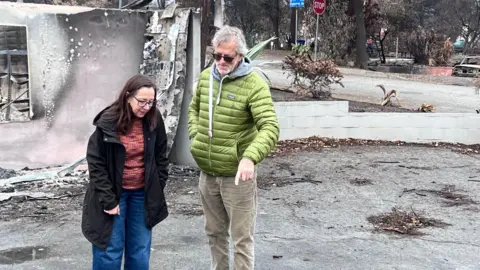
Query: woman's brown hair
[[121, 112]]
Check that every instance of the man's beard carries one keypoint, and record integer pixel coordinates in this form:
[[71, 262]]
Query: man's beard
[[226, 70]]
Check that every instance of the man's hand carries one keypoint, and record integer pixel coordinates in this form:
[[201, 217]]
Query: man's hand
[[114, 211], [245, 170]]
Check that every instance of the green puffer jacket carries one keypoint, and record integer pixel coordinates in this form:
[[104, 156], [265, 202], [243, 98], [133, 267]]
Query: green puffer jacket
[[243, 122]]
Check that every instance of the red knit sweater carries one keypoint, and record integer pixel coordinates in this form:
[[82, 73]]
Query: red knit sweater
[[134, 170]]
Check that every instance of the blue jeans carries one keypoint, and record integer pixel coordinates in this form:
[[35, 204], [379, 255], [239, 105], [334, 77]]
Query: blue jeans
[[129, 233]]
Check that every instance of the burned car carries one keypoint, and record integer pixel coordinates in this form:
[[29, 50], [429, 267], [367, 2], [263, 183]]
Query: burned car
[[469, 67]]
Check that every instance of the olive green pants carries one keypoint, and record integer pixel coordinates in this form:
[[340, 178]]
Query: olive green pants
[[229, 210]]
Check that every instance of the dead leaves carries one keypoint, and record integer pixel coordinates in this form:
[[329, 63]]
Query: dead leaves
[[404, 222], [451, 196], [316, 143], [426, 108]]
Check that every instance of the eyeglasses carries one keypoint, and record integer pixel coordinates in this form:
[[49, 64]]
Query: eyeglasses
[[143, 103], [226, 57]]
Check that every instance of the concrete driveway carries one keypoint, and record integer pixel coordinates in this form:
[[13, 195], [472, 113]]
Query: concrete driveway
[[312, 215]]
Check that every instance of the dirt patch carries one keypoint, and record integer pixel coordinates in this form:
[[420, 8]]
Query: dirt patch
[[357, 106], [316, 143], [404, 222], [361, 182], [450, 195], [353, 106], [270, 180]]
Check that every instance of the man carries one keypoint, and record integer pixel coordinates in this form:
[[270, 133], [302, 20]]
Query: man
[[233, 127]]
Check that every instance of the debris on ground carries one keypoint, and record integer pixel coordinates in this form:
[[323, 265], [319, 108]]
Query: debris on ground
[[6, 173], [404, 222], [44, 199], [424, 107], [361, 182], [48, 199], [316, 143], [267, 181], [449, 193]]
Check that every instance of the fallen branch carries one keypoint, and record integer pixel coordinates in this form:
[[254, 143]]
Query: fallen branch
[[406, 191]]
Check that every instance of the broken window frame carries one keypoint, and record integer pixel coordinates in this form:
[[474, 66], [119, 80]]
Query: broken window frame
[[22, 97]]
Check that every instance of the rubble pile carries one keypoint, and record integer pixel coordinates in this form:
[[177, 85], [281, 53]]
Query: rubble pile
[[48, 198], [5, 173]]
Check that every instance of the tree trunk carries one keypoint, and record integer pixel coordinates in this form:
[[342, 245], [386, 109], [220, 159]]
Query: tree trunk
[[362, 57], [276, 24], [383, 59], [292, 28], [219, 11]]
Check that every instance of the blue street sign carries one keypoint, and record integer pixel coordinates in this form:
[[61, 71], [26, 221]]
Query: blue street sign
[[297, 3]]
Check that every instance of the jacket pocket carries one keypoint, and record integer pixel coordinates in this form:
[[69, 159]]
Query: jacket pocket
[[192, 141], [156, 203]]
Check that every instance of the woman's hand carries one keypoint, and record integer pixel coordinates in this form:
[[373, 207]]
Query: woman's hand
[[114, 211]]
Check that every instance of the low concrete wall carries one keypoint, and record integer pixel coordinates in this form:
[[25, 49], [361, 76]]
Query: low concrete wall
[[332, 119], [303, 119]]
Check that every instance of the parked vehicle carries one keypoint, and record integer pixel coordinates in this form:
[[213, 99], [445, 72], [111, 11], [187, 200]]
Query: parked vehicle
[[469, 67]]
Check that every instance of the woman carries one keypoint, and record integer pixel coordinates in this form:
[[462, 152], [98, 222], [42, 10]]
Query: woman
[[127, 163]]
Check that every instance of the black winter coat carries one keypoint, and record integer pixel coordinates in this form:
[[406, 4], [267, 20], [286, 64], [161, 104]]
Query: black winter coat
[[106, 159]]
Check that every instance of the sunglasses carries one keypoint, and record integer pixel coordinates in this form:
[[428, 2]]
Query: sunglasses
[[227, 58]]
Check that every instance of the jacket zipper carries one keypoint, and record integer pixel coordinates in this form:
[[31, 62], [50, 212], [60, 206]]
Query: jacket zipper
[[213, 122]]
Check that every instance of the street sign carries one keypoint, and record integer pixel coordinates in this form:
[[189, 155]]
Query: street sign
[[297, 3], [319, 6]]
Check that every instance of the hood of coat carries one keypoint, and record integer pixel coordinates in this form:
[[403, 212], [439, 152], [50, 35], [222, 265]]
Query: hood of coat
[[105, 124]]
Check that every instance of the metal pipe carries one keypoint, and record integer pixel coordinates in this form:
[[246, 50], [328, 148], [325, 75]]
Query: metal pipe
[[296, 25]]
